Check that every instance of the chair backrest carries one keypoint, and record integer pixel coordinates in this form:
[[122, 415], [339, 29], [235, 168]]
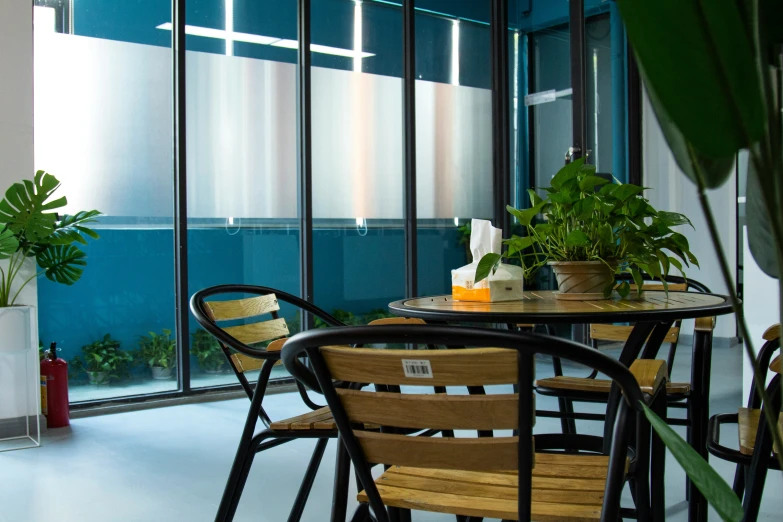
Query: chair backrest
[[396, 320], [765, 360], [509, 360]]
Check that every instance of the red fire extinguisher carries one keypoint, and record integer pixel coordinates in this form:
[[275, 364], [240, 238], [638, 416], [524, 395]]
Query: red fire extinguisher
[[54, 389]]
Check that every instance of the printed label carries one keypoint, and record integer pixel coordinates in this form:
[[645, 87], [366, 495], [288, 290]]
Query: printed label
[[421, 369], [44, 403]]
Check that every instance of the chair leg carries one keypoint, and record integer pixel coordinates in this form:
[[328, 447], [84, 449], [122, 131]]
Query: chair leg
[[739, 481], [362, 513], [307, 482], [658, 466], [342, 475], [238, 477]]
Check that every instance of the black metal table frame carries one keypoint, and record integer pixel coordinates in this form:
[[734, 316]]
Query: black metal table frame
[[645, 340]]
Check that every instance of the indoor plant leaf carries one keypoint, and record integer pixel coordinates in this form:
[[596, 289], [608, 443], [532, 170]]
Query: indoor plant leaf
[[760, 238], [712, 486], [8, 244], [698, 59], [577, 238], [588, 184], [526, 216], [62, 263], [488, 264], [24, 206], [70, 228], [566, 173]]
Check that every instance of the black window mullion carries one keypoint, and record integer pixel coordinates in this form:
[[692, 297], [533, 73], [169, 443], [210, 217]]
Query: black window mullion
[[501, 117], [304, 157], [634, 120], [409, 141], [578, 76], [180, 194]]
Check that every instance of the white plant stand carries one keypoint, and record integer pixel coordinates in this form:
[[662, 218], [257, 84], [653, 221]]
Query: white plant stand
[[20, 392]]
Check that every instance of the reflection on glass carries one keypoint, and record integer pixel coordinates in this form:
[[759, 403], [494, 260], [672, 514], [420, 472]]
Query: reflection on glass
[[105, 132]]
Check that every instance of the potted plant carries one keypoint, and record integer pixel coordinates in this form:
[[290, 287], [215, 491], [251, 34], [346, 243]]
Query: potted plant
[[208, 352], [36, 241], [159, 351], [592, 230], [103, 360]]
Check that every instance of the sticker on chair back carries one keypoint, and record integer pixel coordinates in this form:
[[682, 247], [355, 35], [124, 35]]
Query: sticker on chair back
[[421, 369]]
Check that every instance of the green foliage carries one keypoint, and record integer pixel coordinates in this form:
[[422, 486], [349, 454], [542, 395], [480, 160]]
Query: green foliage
[[31, 228], [614, 224], [104, 356], [463, 233], [207, 351], [158, 350], [350, 319]]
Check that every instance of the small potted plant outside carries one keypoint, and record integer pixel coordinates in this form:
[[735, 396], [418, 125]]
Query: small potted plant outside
[[593, 229], [159, 351], [36, 241], [208, 353], [103, 360]]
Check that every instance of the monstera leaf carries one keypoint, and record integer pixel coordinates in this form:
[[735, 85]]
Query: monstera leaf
[[8, 244], [70, 228], [62, 263], [24, 209]]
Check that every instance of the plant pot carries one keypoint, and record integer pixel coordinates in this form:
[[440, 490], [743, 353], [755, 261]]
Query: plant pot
[[161, 374], [16, 329], [581, 280], [98, 377]]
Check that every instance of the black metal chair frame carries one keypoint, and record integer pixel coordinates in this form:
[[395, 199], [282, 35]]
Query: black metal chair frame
[[250, 444], [751, 471], [627, 420]]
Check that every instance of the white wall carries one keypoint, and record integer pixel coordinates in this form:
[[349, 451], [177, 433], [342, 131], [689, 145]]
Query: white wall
[[16, 135], [672, 191]]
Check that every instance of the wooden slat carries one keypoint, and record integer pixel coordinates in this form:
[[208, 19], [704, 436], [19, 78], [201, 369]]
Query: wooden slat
[[277, 345], [650, 374], [775, 365], [242, 308], [544, 302], [657, 287], [477, 454], [244, 363], [705, 324], [258, 332], [610, 332], [306, 421], [468, 367], [748, 420], [396, 320], [600, 385], [772, 333], [440, 411]]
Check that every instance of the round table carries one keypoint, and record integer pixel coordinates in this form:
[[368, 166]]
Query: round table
[[653, 314]]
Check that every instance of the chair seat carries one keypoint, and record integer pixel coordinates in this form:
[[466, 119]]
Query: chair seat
[[748, 425], [320, 419], [565, 487], [564, 382]]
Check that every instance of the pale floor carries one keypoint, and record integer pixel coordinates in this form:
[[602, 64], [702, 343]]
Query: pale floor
[[170, 464]]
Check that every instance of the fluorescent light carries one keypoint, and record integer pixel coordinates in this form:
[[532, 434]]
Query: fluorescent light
[[229, 8], [357, 36], [323, 49], [456, 221], [455, 52], [220, 34]]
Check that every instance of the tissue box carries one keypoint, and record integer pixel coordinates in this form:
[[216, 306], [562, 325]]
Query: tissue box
[[504, 285]]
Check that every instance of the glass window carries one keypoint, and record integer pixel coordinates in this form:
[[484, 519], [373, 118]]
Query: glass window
[[103, 109], [358, 240]]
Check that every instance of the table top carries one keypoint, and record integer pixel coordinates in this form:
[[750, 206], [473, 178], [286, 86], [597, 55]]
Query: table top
[[543, 307]]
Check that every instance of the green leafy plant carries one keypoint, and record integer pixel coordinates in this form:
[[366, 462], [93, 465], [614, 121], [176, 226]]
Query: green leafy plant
[[463, 233], [104, 357], [158, 350], [613, 224], [715, 90], [207, 351], [31, 229]]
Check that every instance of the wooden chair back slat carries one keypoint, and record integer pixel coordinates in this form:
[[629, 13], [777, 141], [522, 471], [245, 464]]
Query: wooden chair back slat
[[610, 332], [473, 454], [242, 308], [439, 411], [396, 320], [244, 363], [469, 367], [258, 332], [772, 333]]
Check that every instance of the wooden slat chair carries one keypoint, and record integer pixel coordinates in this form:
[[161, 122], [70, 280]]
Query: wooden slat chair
[[570, 389], [756, 453], [239, 340], [471, 477]]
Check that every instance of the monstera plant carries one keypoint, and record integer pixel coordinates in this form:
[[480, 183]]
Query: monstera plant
[[30, 228]]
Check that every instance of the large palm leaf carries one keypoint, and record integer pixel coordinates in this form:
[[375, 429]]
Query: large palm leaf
[[62, 263], [70, 228], [24, 209]]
